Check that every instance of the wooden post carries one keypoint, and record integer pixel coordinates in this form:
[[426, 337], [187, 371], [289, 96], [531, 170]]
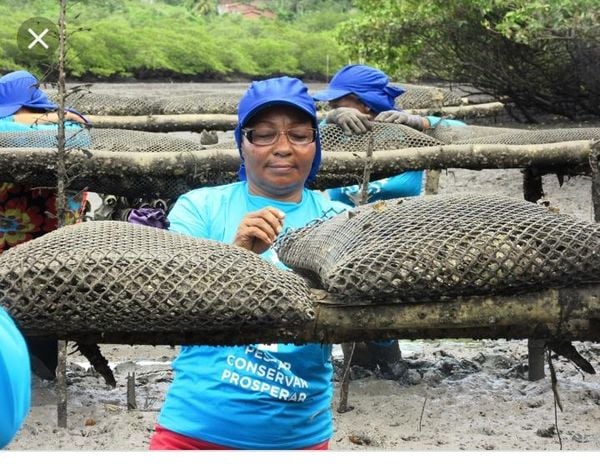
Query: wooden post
[[61, 202], [61, 385], [131, 400], [533, 191], [535, 350], [432, 181], [432, 177], [594, 167]]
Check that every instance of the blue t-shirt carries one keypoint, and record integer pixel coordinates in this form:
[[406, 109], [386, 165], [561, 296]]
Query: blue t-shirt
[[15, 379], [275, 396], [75, 135], [405, 184]]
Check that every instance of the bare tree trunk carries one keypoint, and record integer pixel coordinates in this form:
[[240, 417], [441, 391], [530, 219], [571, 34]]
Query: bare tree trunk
[[122, 173], [61, 202]]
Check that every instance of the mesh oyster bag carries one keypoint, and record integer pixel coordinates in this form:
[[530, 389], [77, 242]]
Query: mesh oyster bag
[[119, 277], [386, 136], [106, 105], [435, 248], [114, 140]]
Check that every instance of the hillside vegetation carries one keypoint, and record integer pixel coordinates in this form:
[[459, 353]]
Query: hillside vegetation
[[182, 39]]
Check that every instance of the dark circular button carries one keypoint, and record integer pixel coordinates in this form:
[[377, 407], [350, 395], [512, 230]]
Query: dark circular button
[[37, 38]]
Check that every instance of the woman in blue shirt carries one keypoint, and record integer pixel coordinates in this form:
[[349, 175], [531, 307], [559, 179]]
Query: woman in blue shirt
[[15, 379], [360, 95], [259, 396]]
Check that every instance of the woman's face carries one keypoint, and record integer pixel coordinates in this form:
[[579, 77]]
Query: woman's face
[[350, 101], [280, 169]]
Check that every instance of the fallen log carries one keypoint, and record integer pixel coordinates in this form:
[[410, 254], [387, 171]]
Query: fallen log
[[167, 123], [163, 173], [225, 122], [483, 110], [572, 313], [569, 314]]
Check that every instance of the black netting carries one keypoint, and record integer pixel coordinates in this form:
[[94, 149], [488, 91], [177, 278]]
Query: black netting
[[87, 102], [115, 140], [434, 247], [223, 102], [385, 137], [544, 136], [450, 134], [116, 276], [113, 105], [420, 97], [210, 103]]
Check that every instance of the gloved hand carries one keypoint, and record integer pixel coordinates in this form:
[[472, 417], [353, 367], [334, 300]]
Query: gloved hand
[[351, 120], [400, 117]]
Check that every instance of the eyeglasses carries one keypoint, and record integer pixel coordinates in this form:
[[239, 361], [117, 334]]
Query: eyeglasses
[[295, 135]]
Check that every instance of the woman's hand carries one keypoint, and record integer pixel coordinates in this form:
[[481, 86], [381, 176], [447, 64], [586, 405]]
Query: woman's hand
[[69, 116], [28, 117], [258, 230], [351, 120], [400, 117]]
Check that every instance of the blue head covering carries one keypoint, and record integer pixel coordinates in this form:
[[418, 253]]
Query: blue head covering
[[369, 84], [18, 89], [15, 379], [276, 91]]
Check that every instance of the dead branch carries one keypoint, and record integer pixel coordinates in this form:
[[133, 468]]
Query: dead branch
[[151, 173], [569, 313]]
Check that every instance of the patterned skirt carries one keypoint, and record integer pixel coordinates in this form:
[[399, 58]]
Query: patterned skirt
[[27, 213]]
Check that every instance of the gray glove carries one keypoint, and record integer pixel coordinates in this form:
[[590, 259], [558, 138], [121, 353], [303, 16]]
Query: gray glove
[[400, 117], [351, 120]]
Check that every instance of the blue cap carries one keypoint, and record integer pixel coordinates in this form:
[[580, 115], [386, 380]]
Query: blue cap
[[15, 379], [369, 84], [18, 89], [276, 91]]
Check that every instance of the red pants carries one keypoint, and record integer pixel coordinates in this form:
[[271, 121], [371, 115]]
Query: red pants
[[163, 439]]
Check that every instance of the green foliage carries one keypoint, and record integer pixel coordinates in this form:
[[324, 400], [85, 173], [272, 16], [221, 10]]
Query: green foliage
[[180, 38], [543, 54]]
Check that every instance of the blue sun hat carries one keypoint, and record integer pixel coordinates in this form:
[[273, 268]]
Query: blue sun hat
[[369, 84], [276, 91], [15, 379], [18, 89]]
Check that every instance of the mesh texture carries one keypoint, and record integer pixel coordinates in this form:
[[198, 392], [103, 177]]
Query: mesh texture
[[113, 105], [435, 248], [385, 137], [222, 102], [117, 276], [543, 136], [114, 140], [420, 96]]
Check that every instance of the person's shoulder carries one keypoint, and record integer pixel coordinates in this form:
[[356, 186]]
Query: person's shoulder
[[326, 203], [8, 124], [435, 121], [213, 192]]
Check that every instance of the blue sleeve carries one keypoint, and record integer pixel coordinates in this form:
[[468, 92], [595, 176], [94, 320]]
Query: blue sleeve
[[186, 218], [15, 379], [406, 184], [8, 124], [435, 121]]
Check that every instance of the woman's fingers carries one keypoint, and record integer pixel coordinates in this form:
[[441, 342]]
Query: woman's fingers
[[258, 230]]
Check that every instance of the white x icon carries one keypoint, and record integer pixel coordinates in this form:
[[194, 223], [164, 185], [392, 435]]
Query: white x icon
[[38, 38]]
